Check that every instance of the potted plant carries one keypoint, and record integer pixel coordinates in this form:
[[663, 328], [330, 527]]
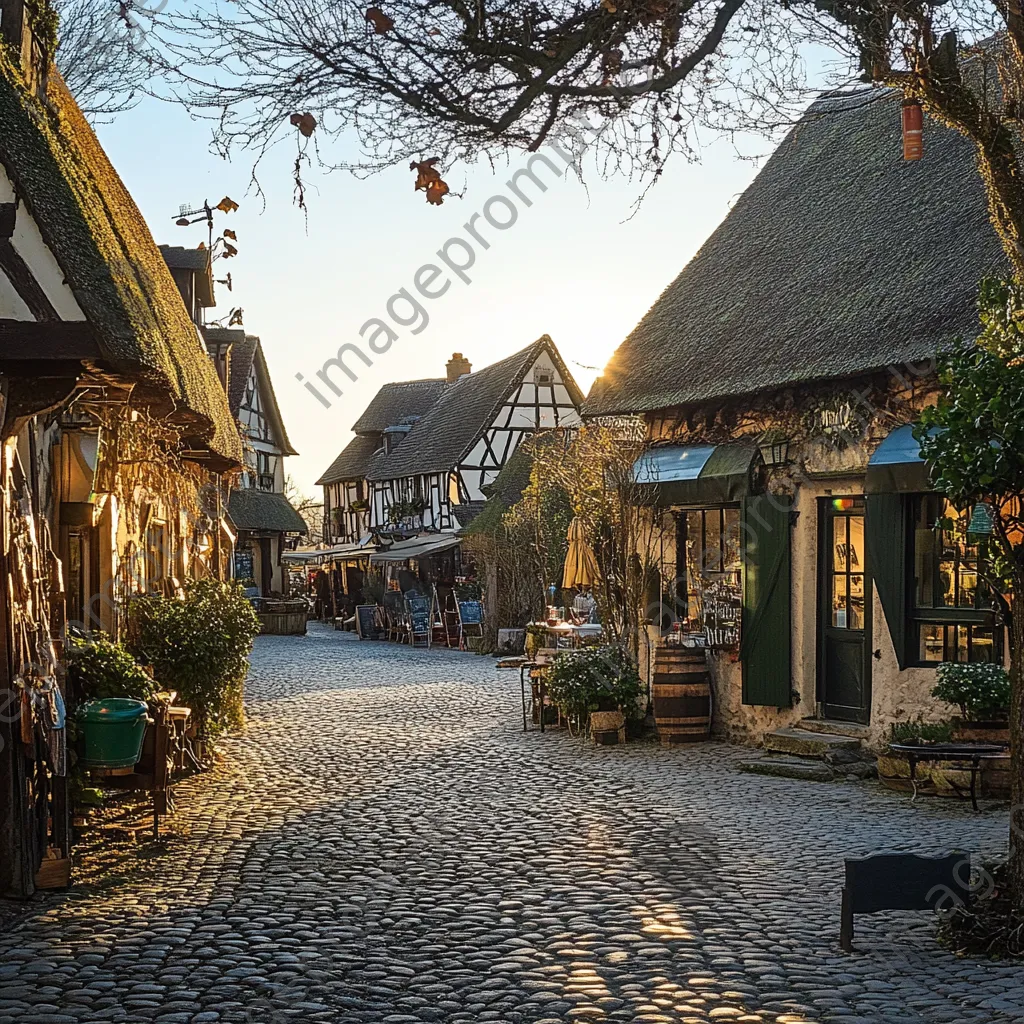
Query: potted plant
[[108, 692], [982, 693], [594, 679], [359, 505]]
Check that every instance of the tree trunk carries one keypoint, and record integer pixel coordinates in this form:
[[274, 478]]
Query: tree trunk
[[1016, 865]]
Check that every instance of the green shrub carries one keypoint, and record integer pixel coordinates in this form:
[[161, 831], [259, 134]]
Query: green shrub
[[199, 645], [99, 668], [595, 679], [980, 690], [919, 731]]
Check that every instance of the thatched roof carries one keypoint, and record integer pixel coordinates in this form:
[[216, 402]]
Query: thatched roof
[[440, 440], [251, 509], [108, 257], [838, 259]]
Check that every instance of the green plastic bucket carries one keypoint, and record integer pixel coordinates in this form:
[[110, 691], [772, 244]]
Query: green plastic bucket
[[112, 731]]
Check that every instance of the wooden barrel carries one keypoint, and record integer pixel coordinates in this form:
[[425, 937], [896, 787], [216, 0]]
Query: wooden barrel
[[682, 695]]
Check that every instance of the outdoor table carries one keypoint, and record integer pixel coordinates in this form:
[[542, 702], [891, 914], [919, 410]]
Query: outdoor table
[[969, 754], [528, 667], [569, 630]]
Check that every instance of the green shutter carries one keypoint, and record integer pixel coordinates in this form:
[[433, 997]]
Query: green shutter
[[886, 521], [766, 629]]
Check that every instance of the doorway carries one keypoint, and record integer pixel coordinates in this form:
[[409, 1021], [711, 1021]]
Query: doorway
[[844, 612]]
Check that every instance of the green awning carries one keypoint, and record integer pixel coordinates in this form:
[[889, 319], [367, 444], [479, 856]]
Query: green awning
[[676, 474]]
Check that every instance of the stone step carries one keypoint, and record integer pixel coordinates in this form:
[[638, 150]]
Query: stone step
[[804, 743], [834, 727], [789, 768]]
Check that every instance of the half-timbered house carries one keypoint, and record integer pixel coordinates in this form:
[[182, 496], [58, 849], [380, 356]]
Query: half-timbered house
[[265, 518], [116, 434], [346, 508], [429, 468], [778, 376]]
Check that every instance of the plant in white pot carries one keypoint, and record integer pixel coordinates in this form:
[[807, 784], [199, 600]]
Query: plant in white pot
[[982, 693]]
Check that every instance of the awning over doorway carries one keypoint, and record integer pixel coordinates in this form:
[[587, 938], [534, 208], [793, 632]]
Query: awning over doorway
[[896, 466], [701, 474], [417, 547]]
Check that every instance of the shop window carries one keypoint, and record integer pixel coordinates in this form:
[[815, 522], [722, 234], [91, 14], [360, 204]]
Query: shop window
[[711, 540], [952, 616]]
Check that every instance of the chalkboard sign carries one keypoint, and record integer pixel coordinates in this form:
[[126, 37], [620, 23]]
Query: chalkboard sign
[[367, 622], [721, 612], [471, 613], [243, 565], [420, 621]]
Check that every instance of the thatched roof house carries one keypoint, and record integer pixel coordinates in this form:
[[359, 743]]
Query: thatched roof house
[[839, 258], [87, 219]]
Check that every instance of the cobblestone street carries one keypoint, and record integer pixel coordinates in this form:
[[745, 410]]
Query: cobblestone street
[[384, 844]]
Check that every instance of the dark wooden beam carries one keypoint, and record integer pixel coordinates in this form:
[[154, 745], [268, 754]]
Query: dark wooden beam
[[22, 340], [24, 283]]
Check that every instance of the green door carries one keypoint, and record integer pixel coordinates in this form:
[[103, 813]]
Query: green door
[[844, 671]]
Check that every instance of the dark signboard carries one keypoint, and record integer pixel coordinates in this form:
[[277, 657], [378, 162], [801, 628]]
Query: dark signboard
[[368, 622]]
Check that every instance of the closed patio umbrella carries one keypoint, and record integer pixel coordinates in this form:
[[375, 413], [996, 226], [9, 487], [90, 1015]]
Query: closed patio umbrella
[[580, 561]]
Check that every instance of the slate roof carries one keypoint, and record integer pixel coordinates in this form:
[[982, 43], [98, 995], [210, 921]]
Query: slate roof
[[251, 509], [352, 462], [467, 512], [179, 258], [107, 255], [438, 441], [395, 401], [838, 259]]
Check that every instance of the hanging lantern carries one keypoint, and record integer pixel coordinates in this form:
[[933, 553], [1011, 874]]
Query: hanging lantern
[[982, 517], [774, 448], [913, 130]]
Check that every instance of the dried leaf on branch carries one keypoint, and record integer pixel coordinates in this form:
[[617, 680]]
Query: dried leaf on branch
[[428, 178], [382, 24], [306, 123]]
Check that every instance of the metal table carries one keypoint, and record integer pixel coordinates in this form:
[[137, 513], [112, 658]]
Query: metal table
[[969, 754]]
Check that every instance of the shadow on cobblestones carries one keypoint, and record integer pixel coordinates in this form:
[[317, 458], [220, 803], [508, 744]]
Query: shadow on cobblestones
[[384, 845]]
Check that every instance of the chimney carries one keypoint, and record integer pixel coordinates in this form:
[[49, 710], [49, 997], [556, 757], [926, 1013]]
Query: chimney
[[458, 366], [31, 32]]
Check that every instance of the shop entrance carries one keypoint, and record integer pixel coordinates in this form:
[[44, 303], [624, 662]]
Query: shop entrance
[[844, 668]]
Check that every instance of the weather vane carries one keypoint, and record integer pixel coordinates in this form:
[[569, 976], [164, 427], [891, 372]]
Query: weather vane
[[187, 216]]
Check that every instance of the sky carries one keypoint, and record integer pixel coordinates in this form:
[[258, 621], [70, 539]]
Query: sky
[[574, 264]]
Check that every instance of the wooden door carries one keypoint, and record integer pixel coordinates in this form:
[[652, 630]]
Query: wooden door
[[844, 673]]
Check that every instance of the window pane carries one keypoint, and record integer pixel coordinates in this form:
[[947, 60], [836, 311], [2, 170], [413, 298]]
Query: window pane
[[694, 534], [931, 642], [733, 558], [712, 541], [925, 543], [983, 644], [961, 643], [856, 602], [839, 560], [856, 543], [839, 601], [968, 587]]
